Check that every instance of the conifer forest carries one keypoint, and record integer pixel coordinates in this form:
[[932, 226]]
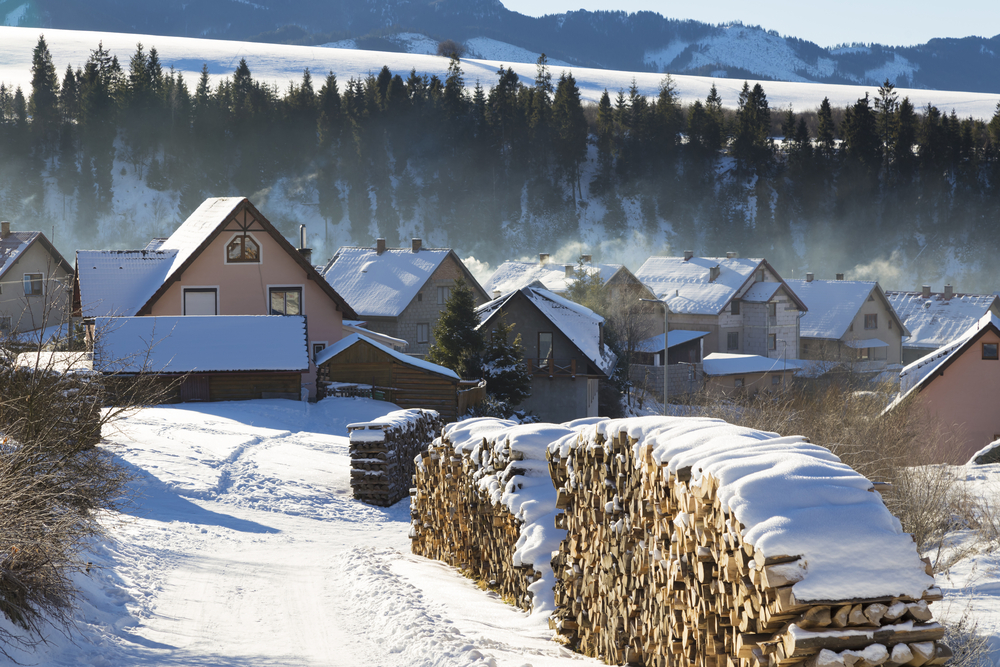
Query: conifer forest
[[510, 168]]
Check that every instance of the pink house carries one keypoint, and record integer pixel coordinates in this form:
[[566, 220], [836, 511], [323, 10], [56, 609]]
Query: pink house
[[225, 259], [955, 388]]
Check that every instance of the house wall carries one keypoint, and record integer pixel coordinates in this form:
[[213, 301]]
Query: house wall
[[425, 309], [959, 406], [752, 382], [28, 313], [559, 399], [243, 290], [887, 330]]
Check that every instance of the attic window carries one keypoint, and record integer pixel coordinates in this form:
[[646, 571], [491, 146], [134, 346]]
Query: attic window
[[990, 351], [243, 248]]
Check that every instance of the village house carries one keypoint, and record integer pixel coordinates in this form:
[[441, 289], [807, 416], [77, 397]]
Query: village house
[[743, 304], [35, 282], [934, 319], [399, 292], [848, 321], [746, 374], [564, 350], [225, 259], [955, 389], [546, 274]]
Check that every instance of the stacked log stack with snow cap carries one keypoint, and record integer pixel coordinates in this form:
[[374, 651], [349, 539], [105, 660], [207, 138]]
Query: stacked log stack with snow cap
[[382, 453], [694, 542]]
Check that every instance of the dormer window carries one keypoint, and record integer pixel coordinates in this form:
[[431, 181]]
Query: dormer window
[[243, 248]]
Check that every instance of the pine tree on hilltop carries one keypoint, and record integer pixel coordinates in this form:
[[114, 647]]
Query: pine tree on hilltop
[[503, 367], [458, 345], [43, 105]]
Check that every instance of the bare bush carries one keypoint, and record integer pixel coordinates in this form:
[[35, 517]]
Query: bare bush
[[449, 48]]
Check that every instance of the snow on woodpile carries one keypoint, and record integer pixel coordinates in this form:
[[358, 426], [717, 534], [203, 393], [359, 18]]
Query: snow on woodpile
[[382, 453], [485, 503], [691, 536]]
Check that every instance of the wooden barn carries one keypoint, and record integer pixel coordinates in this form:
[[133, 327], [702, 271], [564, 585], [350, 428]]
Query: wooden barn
[[219, 357], [389, 375]]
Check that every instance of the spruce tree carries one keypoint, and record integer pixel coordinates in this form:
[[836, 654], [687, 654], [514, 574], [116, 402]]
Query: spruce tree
[[825, 128], [458, 344], [43, 105], [570, 130], [503, 365]]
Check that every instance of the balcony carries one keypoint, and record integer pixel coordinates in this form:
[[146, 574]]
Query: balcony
[[552, 367]]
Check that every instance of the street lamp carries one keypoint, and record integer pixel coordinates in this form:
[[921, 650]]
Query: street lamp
[[666, 353]]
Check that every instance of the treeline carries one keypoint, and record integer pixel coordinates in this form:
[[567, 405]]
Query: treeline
[[514, 167]]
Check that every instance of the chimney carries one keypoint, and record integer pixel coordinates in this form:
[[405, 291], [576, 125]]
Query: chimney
[[543, 258], [688, 254], [415, 245], [926, 291], [809, 276], [4, 229], [586, 259], [570, 270], [379, 246], [949, 291], [840, 276], [303, 250], [496, 294], [713, 273], [730, 255]]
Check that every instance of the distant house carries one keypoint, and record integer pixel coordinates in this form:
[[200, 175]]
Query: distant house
[[221, 358], [564, 350], [743, 304], [849, 321], [956, 388], [732, 374], [225, 259], [35, 282], [545, 274], [392, 376], [683, 347], [399, 292], [934, 319]]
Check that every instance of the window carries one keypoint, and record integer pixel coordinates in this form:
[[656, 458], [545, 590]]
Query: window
[[990, 351], [243, 248], [317, 348], [871, 321], [759, 276], [420, 296], [734, 308], [545, 345], [423, 332], [201, 301], [775, 380], [286, 300], [851, 328], [772, 314], [737, 382], [443, 294], [733, 340], [32, 284], [772, 341], [5, 323], [871, 297], [890, 325]]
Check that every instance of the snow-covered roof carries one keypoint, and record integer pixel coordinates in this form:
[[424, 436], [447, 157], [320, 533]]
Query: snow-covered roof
[[513, 275], [940, 319], [920, 371], [59, 362], [120, 282], [394, 343], [210, 343], [13, 246], [678, 337], [688, 288], [578, 323], [720, 363], [194, 231], [382, 285], [833, 305], [760, 292], [866, 342], [355, 339]]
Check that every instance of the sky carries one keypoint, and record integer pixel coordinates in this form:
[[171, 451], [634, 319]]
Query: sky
[[893, 23]]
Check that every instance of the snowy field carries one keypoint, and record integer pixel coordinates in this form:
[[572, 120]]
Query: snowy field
[[282, 64], [246, 548]]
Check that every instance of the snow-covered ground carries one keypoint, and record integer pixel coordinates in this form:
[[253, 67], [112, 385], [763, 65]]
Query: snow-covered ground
[[246, 548], [283, 64]]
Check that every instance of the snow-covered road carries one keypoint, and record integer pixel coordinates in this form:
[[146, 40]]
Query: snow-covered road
[[246, 548]]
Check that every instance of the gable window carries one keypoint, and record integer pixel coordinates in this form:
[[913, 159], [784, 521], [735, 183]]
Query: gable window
[[871, 321], [733, 340], [423, 332], [32, 284], [545, 345], [990, 351], [772, 314], [759, 276], [890, 325], [420, 296], [201, 301], [317, 348], [775, 380], [243, 248], [772, 341], [738, 382], [443, 294], [734, 308], [286, 300]]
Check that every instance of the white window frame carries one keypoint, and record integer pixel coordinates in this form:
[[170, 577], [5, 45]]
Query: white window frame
[[199, 288], [225, 253], [284, 286], [313, 345], [425, 328]]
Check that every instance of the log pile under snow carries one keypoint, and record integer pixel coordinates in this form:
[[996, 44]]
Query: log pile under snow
[[383, 452], [694, 542]]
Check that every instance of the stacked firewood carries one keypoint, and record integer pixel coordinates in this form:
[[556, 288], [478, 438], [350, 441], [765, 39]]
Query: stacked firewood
[[655, 570], [457, 517], [383, 452]]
